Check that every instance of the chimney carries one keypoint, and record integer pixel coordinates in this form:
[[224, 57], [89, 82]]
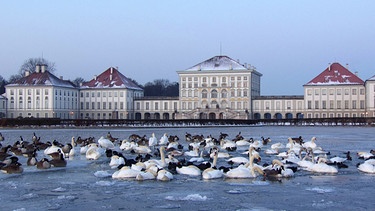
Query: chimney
[[329, 66], [347, 66], [37, 68], [43, 66], [111, 70], [110, 77], [27, 73], [95, 77]]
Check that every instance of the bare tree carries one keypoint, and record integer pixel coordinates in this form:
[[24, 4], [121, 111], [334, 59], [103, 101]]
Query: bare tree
[[78, 81], [30, 64]]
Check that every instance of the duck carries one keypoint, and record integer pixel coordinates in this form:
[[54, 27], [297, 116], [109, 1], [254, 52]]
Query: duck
[[283, 171], [43, 164]]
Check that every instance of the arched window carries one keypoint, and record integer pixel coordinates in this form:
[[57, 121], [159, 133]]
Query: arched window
[[224, 93], [214, 93], [204, 93]]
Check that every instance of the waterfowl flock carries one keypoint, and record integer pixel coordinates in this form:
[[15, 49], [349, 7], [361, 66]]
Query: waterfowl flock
[[140, 157]]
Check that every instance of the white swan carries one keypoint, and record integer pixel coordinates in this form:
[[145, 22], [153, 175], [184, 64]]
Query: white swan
[[197, 159], [285, 172], [246, 171], [368, 166], [152, 141], [116, 161], [52, 149], [105, 143], [94, 152], [212, 172], [310, 144], [322, 167], [146, 175], [192, 153], [163, 140], [125, 172], [164, 175]]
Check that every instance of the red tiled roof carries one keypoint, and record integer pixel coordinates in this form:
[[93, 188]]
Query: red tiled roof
[[42, 79], [111, 78], [335, 74]]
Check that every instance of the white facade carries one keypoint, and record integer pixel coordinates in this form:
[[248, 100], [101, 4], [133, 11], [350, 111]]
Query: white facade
[[370, 97], [278, 107], [218, 88], [108, 96], [42, 95], [3, 106], [156, 107]]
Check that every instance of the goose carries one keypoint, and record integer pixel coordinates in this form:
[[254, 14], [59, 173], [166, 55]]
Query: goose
[[105, 143], [43, 164], [152, 141], [69, 149], [212, 172], [32, 161], [163, 140], [164, 175], [58, 162], [310, 144], [12, 168], [368, 166]]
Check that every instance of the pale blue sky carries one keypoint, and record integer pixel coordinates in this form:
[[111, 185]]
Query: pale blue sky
[[289, 42]]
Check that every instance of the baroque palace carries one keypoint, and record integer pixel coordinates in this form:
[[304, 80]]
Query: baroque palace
[[218, 88]]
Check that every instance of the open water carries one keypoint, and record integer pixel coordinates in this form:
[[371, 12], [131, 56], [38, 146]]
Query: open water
[[79, 186]]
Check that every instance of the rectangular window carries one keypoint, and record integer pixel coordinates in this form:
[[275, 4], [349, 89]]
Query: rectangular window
[[98, 105], [156, 106], [346, 91], [338, 91], [110, 105], [354, 91], [309, 92], [316, 104], [92, 105], [346, 104], [362, 104], [147, 106], [362, 91], [104, 105], [324, 104], [165, 106], [122, 105], [331, 104], [339, 104], [354, 104], [138, 106], [87, 105]]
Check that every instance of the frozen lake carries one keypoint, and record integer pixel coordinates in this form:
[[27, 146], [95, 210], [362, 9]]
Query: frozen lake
[[76, 187]]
